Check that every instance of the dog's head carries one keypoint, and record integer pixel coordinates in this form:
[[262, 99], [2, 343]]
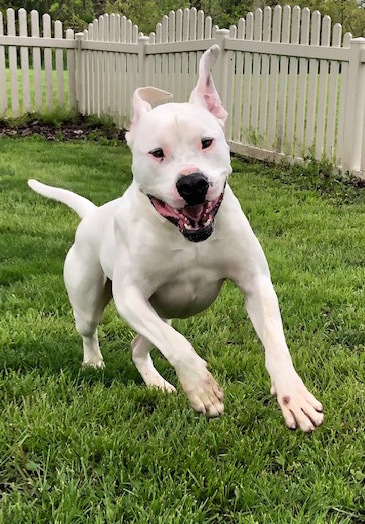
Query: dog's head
[[180, 155]]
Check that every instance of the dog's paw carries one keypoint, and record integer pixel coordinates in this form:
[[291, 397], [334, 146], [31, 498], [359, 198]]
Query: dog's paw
[[299, 407], [203, 392], [151, 377], [161, 383], [93, 364]]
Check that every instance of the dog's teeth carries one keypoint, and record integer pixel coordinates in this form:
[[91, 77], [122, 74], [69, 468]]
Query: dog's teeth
[[188, 226], [208, 222]]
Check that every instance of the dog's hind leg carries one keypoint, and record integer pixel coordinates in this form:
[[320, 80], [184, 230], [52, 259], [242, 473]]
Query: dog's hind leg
[[141, 348], [89, 292]]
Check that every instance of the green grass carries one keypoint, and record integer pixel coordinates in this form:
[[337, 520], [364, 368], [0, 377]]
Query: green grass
[[10, 112], [100, 447]]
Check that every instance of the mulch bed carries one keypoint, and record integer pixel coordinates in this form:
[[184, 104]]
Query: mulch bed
[[78, 129]]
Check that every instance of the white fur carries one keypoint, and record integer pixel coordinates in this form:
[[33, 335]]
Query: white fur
[[125, 248]]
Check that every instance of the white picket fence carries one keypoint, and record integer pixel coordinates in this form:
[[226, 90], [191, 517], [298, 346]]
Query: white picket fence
[[292, 84]]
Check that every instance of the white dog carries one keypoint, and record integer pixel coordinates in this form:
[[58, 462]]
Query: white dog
[[164, 249]]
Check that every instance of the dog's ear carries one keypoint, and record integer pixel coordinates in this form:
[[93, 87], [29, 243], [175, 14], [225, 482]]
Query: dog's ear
[[144, 99], [205, 93]]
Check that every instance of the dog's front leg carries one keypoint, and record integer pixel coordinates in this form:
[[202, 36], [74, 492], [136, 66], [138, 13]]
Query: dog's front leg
[[200, 387], [298, 405]]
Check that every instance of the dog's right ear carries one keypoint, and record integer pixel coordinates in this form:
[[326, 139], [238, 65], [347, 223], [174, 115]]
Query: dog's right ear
[[144, 99]]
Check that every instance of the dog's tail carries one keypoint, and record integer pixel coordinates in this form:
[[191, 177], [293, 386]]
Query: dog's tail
[[78, 203]]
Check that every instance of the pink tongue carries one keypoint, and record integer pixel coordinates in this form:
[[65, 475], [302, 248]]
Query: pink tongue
[[164, 209], [194, 212]]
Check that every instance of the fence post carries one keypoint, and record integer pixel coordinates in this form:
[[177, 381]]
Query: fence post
[[355, 106], [142, 40], [79, 77], [220, 70]]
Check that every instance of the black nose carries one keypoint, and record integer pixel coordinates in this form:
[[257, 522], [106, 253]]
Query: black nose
[[193, 188]]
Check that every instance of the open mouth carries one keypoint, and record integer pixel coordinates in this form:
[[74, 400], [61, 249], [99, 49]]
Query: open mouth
[[196, 223]]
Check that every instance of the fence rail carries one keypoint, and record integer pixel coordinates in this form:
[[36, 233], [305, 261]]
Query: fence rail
[[293, 85]]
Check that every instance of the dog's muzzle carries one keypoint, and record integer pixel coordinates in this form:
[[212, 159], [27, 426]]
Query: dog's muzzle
[[195, 222]]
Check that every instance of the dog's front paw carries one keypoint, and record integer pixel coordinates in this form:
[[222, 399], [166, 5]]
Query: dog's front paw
[[299, 407], [93, 364], [160, 383], [202, 390]]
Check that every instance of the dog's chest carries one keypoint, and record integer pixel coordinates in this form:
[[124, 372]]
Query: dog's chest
[[186, 293]]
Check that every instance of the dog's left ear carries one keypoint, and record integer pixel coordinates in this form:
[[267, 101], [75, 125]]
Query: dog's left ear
[[205, 93], [144, 99]]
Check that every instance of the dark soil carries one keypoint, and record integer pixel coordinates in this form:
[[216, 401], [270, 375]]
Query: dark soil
[[79, 128]]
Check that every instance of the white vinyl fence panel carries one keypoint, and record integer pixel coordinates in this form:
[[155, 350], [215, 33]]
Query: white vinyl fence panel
[[293, 85], [293, 74], [34, 68]]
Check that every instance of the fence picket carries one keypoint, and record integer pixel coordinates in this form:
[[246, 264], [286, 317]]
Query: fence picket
[[342, 103], [283, 80], [256, 72], [200, 36], [178, 77], [117, 73], [106, 67], [200, 26], [164, 56], [332, 105], [171, 56], [129, 68], [228, 92], [208, 27], [239, 84], [273, 82], [13, 64], [90, 107], [134, 61], [302, 83], [96, 67], [58, 33], [112, 65], [312, 83], [84, 73], [101, 72], [37, 69], [158, 59], [292, 82], [3, 90], [247, 79], [71, 71], [322, 90], [185, 56], [24, 61], [48, 68], [192, 76], [123, 68], [266, 37], [151, 61]]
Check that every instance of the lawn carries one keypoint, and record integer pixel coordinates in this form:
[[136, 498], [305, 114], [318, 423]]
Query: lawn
[[55, 104], [86, 446]]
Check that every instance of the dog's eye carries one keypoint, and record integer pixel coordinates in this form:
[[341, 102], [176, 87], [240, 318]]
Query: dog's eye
[[158, 153], [207, 142]]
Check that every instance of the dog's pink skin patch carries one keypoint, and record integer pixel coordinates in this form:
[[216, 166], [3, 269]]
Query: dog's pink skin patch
[[188, 170], [286, 400]]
